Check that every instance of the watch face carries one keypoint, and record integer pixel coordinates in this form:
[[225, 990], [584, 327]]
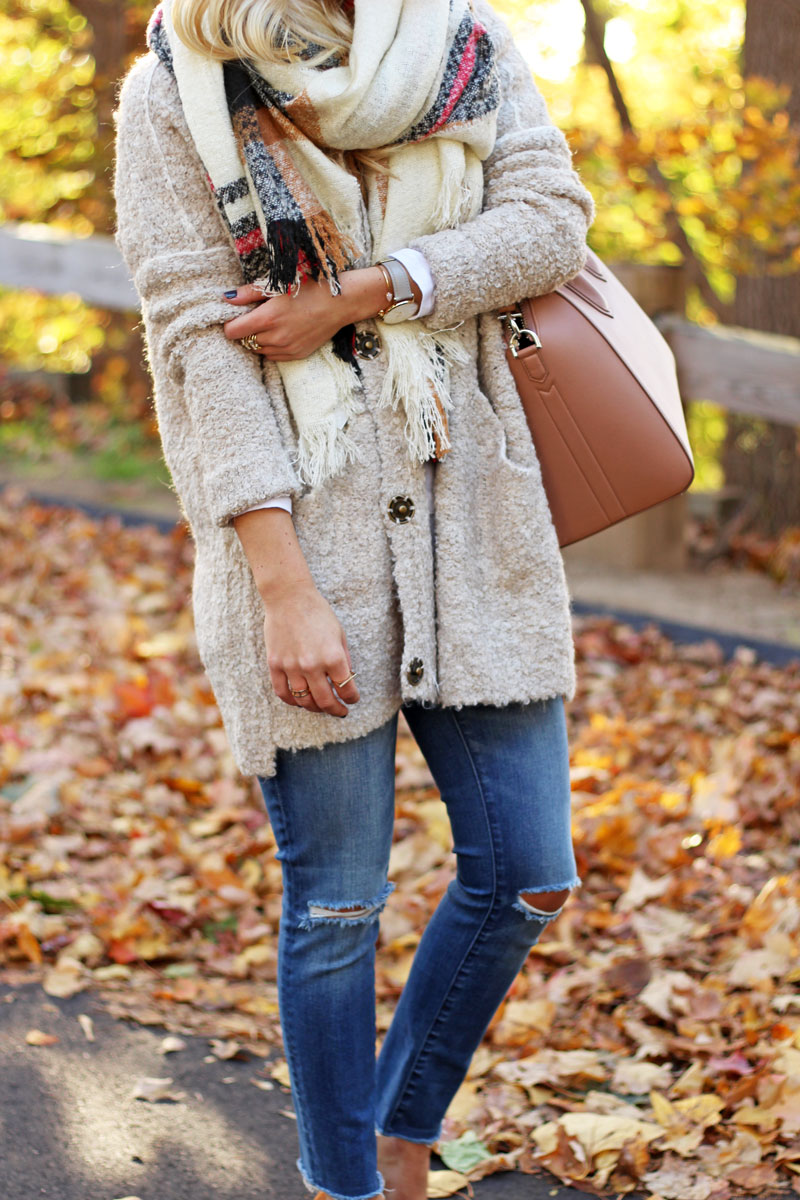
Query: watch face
[[399, 312]]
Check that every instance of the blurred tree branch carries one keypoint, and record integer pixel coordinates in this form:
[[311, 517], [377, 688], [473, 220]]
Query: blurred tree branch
[[693, 266]]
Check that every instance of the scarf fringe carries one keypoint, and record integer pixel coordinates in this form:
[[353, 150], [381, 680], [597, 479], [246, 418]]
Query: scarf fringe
[[454, 202], [324, 447], [418, 378], [292, 250]]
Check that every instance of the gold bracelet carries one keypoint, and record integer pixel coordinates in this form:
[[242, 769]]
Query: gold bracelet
[[402, 290], [390, 289]]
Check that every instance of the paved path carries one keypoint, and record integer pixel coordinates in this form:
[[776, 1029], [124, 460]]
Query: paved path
[[725, 599], [70, 1129]]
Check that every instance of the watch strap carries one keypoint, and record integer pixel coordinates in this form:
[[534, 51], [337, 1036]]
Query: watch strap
[[403, 293]]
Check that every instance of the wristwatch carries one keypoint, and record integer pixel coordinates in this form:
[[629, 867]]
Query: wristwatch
[[399, 290]]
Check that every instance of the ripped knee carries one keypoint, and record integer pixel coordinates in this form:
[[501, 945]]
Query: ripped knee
[[348, 912], [542, 905]]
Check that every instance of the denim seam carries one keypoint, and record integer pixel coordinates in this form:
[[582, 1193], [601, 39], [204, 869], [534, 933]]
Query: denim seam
[[295, 1076], [419, 1059], [427, 1141]]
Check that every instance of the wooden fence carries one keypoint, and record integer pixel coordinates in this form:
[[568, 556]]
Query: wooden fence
[[757, 374]]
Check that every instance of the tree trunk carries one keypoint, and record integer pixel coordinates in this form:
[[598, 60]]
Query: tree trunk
[[762, 458], [117, 32]]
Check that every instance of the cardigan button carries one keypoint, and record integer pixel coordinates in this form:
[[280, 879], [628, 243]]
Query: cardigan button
[[368, 345], [415, 671], [401, 509]]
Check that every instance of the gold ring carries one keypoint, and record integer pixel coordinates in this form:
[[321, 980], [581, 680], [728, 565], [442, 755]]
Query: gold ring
[[250, 342], [344, 681], [300, 694]]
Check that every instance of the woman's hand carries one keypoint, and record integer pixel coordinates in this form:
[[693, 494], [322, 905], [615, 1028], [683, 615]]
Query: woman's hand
[[307, 649], [306, 645], [292, 327]]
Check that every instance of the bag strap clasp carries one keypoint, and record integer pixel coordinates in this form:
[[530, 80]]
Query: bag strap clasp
[[519, 336]]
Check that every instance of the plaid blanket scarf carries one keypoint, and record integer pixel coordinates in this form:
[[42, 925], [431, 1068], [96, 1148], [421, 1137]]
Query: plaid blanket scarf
[[420, 85]]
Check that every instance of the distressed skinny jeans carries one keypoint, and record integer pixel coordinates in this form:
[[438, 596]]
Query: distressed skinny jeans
[[503, 774]]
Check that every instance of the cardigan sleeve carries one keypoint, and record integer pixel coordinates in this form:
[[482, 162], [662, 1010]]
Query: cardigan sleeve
[[530, 236], [181, 259]]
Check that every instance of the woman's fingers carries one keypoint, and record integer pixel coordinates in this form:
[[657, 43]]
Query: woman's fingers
[[324, 691], [254, 321], [324, 696], [347, 688], [348, 691], [282, 686], [246, 293], [322, 678], [319, 695], [306, 701]]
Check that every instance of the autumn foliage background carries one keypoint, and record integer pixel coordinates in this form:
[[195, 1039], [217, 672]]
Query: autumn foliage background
[[653, 1040], [723, 203]]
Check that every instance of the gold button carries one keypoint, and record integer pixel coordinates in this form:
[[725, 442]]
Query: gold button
[[415, 671], [401, 509]]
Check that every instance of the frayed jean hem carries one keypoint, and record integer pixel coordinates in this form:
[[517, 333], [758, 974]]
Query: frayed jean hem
[[319, 1187], [419, 1141]]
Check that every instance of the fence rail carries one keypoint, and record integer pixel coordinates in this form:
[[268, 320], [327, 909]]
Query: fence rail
[[35, 256], [757, 374], [745, 371]]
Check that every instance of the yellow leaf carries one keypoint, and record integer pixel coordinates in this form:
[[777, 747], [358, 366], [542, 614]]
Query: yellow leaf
[[258, 1006], [260, 952], [397, 973], [725, 844], [280, 1073], [703, 1110], [637, 1078], [64, 981], [761, 1118], [466, 1099], [37, 1037], [663, 1110], [446, 1183], [595, 1132], [788, 1062], [520, 1017]]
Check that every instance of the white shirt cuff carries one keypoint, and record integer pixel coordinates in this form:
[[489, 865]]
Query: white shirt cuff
[[284, 502], [417, 266]]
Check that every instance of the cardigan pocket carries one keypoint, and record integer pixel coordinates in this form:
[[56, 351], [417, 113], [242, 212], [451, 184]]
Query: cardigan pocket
[[513, 444], [498, 392]]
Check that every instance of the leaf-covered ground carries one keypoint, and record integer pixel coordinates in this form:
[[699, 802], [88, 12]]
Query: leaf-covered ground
[[652, 1041]]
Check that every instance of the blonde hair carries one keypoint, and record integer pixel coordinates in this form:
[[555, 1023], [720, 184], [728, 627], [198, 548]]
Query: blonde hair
[[273, 31], [270, 30]]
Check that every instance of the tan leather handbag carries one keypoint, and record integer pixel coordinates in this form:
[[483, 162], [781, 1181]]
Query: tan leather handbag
[[599, 388]]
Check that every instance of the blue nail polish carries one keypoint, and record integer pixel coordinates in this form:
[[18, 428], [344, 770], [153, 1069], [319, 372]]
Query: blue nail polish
[[230, 295]]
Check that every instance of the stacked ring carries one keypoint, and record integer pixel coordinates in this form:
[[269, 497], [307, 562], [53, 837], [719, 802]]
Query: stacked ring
[[250, 341], [299, 695]]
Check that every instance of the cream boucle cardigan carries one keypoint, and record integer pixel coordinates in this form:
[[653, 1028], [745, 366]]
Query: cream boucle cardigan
[[481, 615]]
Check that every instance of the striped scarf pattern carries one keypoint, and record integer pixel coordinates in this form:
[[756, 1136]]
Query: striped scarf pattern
[[275, 164]]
